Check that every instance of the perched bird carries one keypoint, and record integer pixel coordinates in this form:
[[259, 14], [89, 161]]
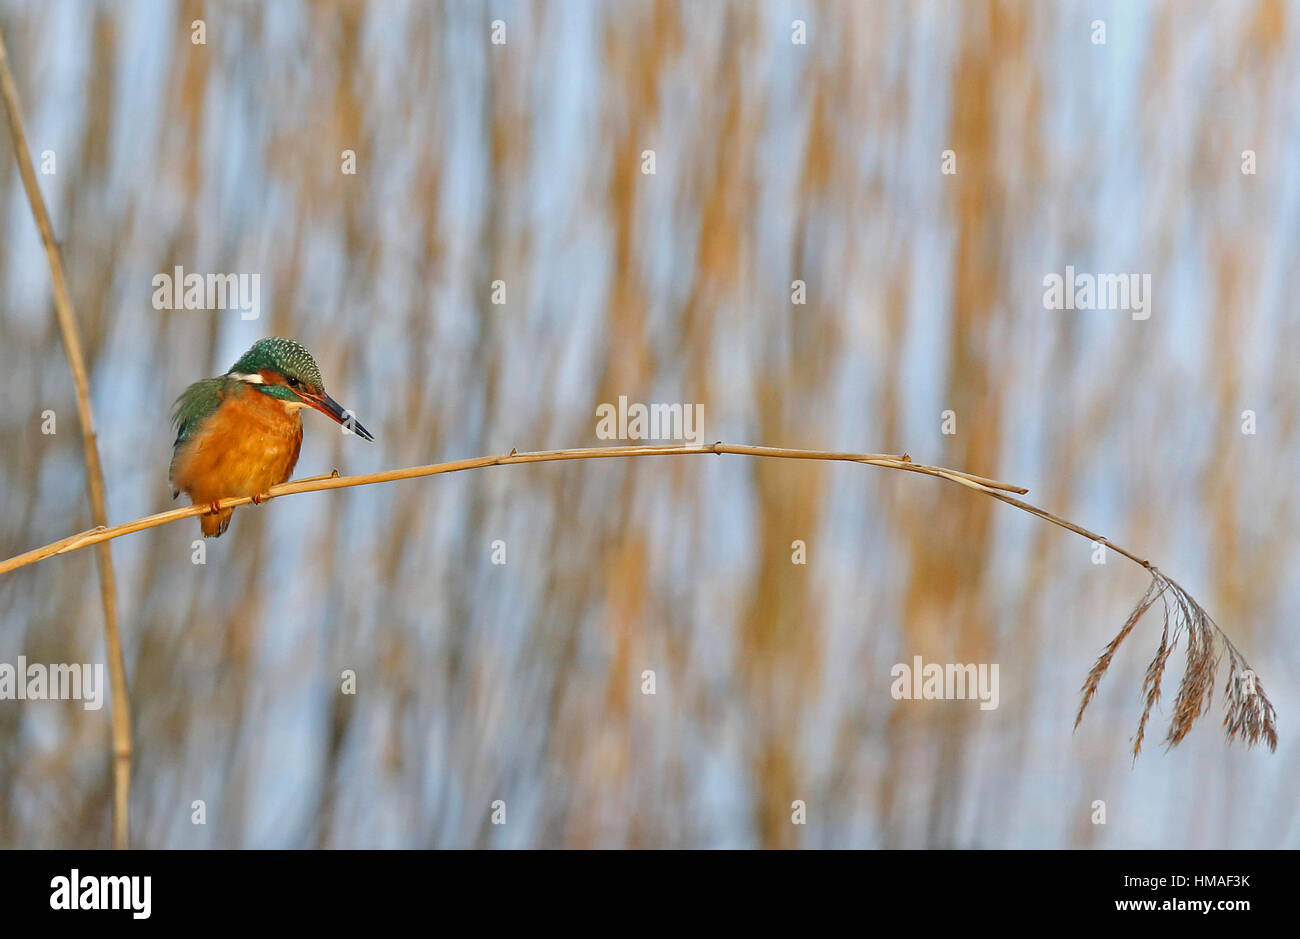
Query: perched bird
[[239, 434]]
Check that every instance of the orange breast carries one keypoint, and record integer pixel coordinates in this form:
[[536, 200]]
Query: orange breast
[[249, 444]]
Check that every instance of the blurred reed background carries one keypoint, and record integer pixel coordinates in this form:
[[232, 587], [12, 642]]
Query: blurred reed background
[[775, 162]]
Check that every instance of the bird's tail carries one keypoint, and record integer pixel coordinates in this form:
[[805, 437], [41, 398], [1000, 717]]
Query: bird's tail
[[214, 525]]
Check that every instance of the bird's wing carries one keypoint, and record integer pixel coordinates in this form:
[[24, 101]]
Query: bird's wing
[[195, 405]]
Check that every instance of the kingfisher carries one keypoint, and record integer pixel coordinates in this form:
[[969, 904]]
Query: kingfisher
[[239, 434]]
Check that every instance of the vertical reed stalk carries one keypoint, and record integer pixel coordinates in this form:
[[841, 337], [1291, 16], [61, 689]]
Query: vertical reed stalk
[[121, 707]]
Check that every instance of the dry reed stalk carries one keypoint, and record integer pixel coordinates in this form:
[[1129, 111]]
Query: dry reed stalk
[[1250, 716], [71, 336]]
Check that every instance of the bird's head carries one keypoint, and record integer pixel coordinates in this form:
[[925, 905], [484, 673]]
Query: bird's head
[[285, 370]]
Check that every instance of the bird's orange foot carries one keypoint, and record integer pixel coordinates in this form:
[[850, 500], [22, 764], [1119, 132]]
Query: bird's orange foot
[[261, 497], [215, 507]]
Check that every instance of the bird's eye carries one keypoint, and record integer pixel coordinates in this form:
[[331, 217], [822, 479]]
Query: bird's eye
[[293, 382]]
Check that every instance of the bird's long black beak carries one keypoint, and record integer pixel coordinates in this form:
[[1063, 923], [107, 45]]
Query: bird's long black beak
[[332, 409]]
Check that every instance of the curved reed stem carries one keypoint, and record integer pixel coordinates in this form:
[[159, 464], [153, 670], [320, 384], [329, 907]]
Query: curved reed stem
[[1250, 715], [334, 481]]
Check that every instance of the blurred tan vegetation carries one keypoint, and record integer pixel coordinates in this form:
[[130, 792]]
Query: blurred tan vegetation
[[775, 162]]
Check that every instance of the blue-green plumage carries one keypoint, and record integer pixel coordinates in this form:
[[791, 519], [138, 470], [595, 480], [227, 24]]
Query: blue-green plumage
[[196, 403]]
